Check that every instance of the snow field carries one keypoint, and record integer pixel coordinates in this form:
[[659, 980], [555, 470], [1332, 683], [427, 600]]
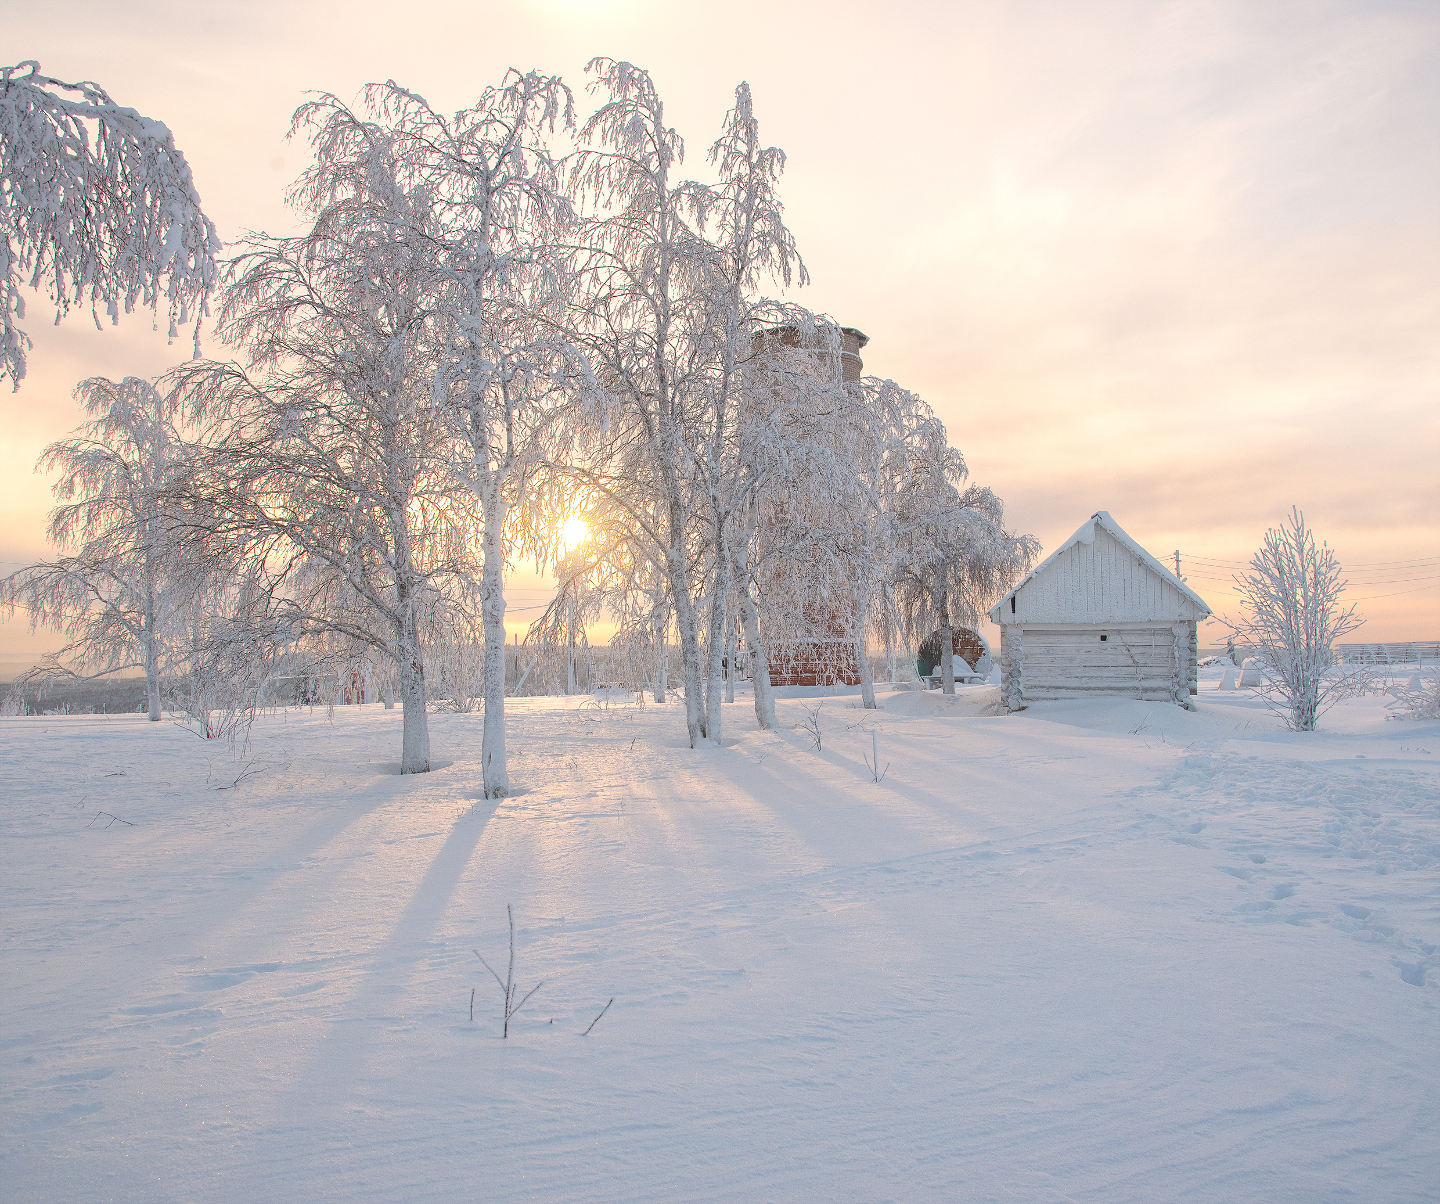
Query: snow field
[[1102, 952]]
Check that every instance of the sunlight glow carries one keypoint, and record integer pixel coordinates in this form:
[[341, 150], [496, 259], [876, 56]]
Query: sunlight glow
[[574, 531]]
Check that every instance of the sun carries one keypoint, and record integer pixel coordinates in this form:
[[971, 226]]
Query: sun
[[574, 531]]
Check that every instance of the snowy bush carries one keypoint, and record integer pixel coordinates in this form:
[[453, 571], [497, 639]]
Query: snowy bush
[[1420, 701]]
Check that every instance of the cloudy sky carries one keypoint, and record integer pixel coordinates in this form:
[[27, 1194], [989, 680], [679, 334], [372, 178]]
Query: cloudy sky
[[1178, 261]]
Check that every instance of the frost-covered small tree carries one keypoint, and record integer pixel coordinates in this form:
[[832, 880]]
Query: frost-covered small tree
[[230, 640], [97, 206], [115, 594], [1292, 612], [956, 554]]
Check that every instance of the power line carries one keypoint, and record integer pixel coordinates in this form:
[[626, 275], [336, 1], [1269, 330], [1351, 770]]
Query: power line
[[1391, 565], [1351, 584], [1418, 590]]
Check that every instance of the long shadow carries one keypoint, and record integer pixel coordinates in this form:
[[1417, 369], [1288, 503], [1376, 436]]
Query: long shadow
[[342, 1053], [922, 798], [239, 885]]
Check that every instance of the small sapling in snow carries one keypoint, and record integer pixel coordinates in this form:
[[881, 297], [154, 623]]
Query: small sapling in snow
[[872, 762], [507, 985], [114, 819], [811, 727], [596, 1021]]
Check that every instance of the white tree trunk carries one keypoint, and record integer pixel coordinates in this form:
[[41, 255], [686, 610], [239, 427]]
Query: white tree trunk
[[715, 647], [759, 661], [494, 770], [889, 634], [687, 622], [415, 738], [862, 653], [730, 650], [947, 657], [150, 654]]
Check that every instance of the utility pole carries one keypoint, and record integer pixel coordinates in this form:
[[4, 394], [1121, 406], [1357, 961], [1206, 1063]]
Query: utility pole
[[1177, 565]]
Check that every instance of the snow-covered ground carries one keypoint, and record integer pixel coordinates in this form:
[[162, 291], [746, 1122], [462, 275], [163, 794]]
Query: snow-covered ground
[[1106, 952]]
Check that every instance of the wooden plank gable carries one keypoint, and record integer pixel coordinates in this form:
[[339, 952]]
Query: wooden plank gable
[[1100, 582], [1098, 576]]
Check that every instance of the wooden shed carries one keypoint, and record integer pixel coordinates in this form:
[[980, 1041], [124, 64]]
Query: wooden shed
[[1099, 616]]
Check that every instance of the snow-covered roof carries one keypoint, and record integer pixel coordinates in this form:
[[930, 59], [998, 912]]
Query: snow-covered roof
[[1101, 519]]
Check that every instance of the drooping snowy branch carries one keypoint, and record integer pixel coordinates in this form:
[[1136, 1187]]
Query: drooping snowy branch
[[97, 207]]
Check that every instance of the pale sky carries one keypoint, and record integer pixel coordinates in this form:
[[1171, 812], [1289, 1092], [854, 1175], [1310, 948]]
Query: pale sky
[[1178, 261]]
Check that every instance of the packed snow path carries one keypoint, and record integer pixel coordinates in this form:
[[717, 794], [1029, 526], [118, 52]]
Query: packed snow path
[[1115, 952]]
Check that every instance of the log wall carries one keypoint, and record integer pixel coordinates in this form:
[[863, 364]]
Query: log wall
[[1154, 662]]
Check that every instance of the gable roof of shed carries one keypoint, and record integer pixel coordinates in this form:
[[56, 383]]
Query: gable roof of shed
[[1086, 534]]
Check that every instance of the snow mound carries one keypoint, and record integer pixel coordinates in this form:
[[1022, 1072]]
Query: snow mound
[[967, 700]]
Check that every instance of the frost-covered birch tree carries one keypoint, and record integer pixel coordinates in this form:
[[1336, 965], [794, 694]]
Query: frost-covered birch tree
[[333, 464], [500, 370], [802, 443], [1291, 610], [642, 316], [97, 207], [114, 596], [668, 311], [743, 217], [955, 554]]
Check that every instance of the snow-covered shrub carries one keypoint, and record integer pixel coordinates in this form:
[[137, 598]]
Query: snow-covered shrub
[[235, 647], [1421, 701]]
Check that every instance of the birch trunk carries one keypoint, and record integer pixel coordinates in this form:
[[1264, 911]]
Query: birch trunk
[[729, 660], [889, 634], [152, 662], [415, 738], [759, 661], [494, 770], [947, 657], [714, 685], [687, 623], [862, 653]]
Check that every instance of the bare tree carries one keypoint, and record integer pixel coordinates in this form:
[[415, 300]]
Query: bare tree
[[97, 206], [1291, 611]]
